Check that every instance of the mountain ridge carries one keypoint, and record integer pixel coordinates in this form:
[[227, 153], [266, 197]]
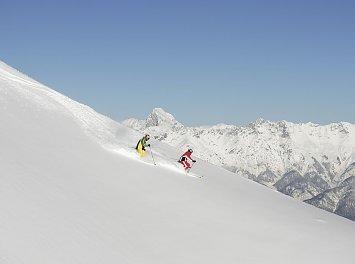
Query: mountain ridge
[[267, 152]]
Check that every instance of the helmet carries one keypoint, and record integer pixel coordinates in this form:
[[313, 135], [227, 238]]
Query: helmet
[[190, 150], [147, 136]]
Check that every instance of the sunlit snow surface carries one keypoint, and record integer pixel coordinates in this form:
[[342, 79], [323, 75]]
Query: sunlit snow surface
[[73, 190]]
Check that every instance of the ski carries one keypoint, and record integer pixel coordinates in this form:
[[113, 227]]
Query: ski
[[193, 175]]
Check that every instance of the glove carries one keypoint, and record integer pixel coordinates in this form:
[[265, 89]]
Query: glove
[[143, 148], [194, 161], [148, 145]]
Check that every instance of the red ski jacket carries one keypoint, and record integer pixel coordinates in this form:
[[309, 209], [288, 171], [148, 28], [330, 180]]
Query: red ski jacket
[[187, 154]]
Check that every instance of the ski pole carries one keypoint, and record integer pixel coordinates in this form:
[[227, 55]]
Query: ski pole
[[193, 163], [151, 153]]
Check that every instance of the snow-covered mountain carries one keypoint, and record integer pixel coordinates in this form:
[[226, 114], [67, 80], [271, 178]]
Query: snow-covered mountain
[[341, 199], [73, 190], [304, 161]]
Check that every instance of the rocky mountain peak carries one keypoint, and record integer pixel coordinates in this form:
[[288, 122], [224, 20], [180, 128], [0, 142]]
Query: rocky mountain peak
[[158, 117]]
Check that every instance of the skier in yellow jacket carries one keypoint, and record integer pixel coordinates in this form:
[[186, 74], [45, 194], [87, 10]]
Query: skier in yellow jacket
[[142, 144]]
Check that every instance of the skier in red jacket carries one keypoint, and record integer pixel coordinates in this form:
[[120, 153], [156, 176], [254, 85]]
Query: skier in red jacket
[[184, 159]]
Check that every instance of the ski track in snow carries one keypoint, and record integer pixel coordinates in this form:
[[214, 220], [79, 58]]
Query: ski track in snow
[[160, 160]]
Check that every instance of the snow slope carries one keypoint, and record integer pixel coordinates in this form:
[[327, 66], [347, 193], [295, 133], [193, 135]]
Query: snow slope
[[72, 190]]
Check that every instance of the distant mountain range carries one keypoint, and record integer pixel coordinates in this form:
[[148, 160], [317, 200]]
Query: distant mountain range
[[310, 162]]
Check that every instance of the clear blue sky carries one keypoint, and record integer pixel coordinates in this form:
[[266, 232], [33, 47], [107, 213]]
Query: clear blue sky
[[205, 62]]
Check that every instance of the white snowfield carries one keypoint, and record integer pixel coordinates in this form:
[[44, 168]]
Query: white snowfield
[[73, 190]]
